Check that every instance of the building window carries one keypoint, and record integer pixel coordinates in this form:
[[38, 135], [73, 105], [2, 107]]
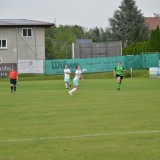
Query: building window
[[27, 32], [3, 43]]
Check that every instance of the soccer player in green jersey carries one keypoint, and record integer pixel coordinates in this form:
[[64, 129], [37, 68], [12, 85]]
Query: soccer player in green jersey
[[118, 73]]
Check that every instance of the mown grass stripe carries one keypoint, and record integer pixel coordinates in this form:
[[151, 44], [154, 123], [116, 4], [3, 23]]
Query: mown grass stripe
[[79, 136]]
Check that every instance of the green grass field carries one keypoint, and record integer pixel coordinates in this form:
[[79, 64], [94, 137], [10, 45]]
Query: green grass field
[[43, 122]]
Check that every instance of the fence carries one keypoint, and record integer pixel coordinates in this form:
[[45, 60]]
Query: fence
[[92, 65], [94, 50], [104, 64], [142, 61]]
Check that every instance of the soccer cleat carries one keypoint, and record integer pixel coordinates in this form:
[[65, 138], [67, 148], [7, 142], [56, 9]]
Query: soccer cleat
[[70, 92], [70, 85], [118, 88]]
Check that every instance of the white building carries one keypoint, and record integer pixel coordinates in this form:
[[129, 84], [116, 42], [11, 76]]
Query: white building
[[22, 39]]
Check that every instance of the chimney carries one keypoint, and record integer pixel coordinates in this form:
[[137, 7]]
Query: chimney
[[156, 14]]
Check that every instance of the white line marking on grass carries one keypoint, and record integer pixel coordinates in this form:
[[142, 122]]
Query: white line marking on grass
[[78, 136]]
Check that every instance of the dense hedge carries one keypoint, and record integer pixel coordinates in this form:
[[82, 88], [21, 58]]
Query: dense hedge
[[150, 46]]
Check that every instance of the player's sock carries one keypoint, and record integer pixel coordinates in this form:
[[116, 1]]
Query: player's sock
[[11, 88], [14, 88], [66, 85], [73, 90], [118, 85]]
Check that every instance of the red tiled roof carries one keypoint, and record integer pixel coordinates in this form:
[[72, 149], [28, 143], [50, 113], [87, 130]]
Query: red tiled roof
[[152, 22]]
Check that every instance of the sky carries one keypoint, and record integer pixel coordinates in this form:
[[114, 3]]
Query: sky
[[85, 13]]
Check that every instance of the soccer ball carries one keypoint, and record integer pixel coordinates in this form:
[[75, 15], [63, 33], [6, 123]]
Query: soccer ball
[[84, 70]]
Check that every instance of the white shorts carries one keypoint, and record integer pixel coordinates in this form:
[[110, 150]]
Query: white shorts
[[75, 82], [67, 79]]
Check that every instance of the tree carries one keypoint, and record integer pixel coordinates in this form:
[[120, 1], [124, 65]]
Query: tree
[[107, 35], [49, 41], [59, 42], [127, 24], [157, 39], [98, 34], [78, 31], [154, 42]]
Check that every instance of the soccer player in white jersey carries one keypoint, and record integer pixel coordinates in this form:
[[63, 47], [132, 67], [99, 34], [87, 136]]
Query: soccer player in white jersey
[[76, 80], [67, 73], [80, 71]]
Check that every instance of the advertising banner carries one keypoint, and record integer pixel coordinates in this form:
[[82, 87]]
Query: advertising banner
[[91, 65], [158, 71], [5, 68], [154, 72], [30, 66]]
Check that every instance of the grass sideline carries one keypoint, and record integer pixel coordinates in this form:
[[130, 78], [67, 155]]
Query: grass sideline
[[105, 75], [42, 121]]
